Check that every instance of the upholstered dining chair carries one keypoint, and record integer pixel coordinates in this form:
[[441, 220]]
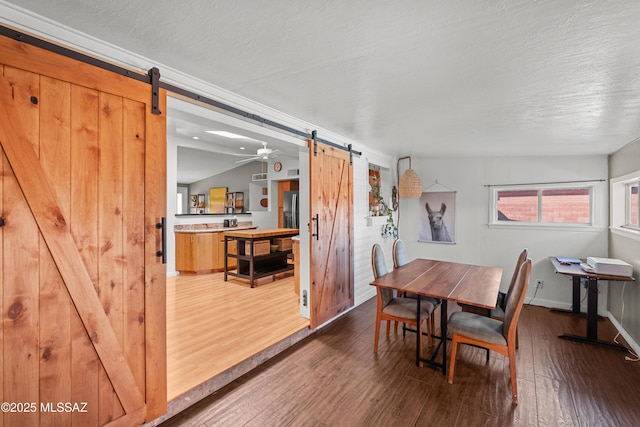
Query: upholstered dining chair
[[391, 307], [498, 312], [492, 334], [400, 258]]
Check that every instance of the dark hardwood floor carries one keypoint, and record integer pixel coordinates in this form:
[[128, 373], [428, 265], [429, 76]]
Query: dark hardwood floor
[[333, 378]]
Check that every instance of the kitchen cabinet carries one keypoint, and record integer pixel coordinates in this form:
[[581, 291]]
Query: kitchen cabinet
[[197, 252]]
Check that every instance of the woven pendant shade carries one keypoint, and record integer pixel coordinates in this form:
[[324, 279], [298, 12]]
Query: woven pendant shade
[[410, 185]]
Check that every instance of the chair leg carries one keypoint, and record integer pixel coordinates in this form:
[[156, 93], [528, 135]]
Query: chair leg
[[512, 371], [388, 326], [432, 322], [375, 339], [454, 351], [419, 332], [395, 327], [487, 354]]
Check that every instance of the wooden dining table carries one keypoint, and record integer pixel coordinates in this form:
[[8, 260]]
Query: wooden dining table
[[449, 281]]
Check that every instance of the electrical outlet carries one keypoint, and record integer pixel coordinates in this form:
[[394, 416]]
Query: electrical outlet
[[539, 283]]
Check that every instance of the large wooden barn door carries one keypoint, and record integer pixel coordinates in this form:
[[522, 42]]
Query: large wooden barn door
[[82, 187], [331, 188]]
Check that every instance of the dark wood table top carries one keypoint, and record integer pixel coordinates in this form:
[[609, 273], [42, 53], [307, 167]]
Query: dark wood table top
[[465, 283], [576, 270]]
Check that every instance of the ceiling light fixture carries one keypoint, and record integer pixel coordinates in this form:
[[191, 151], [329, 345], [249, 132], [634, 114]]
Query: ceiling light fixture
[[409, 186], [196, 137], [225, 134]]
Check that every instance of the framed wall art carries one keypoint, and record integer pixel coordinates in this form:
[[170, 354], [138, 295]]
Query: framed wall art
[[437, 217]]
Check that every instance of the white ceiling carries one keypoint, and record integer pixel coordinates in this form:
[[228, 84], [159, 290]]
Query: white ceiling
[[426, 78]]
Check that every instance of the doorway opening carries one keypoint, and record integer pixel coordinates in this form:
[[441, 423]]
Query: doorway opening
[[217, 328]]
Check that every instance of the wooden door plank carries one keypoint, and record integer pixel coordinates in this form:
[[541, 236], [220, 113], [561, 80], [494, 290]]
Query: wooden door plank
[[3, 161], [83, 214], [53, 226], [133, 238], [20, 252], [155, 272], [110, 234], [55, 307], [41, 61]]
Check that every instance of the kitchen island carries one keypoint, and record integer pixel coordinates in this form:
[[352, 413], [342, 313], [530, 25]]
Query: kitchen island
[[256, 252], [201, 250]]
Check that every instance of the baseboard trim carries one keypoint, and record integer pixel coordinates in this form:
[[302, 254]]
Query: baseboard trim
[[628, 338]]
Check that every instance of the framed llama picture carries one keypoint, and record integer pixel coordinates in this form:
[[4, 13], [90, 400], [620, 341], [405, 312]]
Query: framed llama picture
[[437, 217]]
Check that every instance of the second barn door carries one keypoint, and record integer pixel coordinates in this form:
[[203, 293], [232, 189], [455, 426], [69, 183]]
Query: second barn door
[[331, 190]]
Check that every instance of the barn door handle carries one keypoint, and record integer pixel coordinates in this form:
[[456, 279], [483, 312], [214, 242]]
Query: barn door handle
[[1, 221], [163, 226], [317, 233]]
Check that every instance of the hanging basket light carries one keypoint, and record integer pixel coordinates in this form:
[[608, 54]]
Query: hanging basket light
[[410, 186]]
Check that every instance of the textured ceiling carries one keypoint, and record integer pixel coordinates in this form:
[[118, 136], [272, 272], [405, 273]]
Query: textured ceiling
[[432, 78]]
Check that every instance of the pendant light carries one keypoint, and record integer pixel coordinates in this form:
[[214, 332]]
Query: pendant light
[[409, 185]]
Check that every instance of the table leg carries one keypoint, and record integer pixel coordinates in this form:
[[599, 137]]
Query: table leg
[[443, 333], [418, 332]]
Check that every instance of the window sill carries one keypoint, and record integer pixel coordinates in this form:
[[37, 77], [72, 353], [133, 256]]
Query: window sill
[[625, 232], [548, 227]]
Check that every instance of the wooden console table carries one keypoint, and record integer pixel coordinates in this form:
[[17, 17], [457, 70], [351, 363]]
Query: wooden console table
[[251, 266]]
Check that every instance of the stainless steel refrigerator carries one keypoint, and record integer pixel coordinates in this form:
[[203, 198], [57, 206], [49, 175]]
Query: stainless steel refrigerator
[[290, 209]]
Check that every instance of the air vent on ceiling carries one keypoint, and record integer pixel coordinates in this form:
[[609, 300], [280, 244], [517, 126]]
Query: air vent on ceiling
[[259, 177]]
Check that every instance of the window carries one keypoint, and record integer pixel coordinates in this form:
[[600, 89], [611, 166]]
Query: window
[[632, 219], [542, 205], [625, 216]]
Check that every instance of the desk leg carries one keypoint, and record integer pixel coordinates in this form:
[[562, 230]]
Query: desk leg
[[443, 333], [592, 319], [592, 310], [575, 308]]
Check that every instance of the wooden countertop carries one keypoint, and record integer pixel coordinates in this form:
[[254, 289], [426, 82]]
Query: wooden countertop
[[215, 230], [264, 232]]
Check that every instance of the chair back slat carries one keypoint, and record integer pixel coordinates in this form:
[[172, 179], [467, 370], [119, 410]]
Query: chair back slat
[[515, 300], [400, 257], [521, 259], [379, 266]]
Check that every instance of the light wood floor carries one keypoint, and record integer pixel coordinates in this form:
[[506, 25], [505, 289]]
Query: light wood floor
[[333, 378], [213, 325]]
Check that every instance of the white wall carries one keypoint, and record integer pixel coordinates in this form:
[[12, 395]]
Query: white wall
[[624, 301], [366, 235], [476, 243]]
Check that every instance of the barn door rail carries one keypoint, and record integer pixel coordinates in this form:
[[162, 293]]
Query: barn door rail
[[153, 78]]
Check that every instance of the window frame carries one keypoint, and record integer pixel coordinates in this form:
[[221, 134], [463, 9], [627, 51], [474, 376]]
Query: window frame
[[494, 222], [620, 209], [629, 206]]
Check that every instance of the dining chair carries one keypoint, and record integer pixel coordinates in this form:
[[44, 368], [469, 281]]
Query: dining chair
[[492, 334], [400, 258], [498, 312], [392, 307]]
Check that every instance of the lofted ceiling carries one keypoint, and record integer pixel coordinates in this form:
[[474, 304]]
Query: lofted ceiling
[[419, 77]]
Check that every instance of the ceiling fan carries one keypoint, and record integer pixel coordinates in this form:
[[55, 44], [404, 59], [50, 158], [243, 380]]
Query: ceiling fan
[[263, 153]]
